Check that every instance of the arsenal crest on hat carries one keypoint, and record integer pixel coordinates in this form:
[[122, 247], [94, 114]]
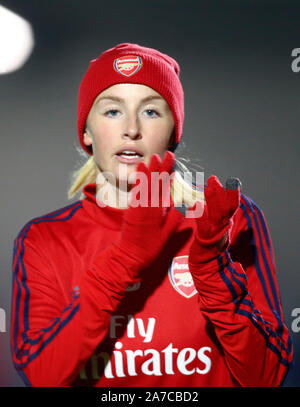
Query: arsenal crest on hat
[[128, 65], [181, 278]]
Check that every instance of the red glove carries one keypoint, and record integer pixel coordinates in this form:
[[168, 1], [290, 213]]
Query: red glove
[[212, 235], [145, 230]]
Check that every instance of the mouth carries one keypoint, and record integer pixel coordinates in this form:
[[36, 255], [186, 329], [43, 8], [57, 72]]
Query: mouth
[[129, 156]]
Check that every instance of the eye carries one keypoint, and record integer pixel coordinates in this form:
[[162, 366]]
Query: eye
[[151, 113], [112, 113]]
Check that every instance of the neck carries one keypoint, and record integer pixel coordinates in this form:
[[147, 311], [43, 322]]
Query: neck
[[112, 195]]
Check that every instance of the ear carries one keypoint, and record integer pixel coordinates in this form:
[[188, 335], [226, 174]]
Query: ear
[[87, 138]]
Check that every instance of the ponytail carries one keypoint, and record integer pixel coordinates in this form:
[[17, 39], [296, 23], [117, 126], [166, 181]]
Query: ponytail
[[84, 175]]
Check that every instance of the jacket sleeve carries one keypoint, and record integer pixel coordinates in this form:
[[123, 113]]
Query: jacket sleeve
[[52, 337], [238, 294]]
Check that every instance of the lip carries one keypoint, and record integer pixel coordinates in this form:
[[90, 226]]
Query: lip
[[130, 148], [129, 161]]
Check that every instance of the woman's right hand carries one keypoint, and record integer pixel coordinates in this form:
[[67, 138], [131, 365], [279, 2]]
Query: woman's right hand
[[146, 228]]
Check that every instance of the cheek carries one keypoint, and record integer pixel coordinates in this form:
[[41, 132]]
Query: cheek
[[104, 138], [159, 138]]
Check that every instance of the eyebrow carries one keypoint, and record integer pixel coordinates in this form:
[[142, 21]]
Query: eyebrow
[[117, 99]]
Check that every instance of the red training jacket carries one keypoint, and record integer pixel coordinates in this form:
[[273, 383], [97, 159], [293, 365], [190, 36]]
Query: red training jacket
[[75, 323]]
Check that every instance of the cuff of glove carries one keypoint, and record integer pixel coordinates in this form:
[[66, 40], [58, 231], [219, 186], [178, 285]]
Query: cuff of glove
[[215, 236], [211, 266], [116, 269], [205, 249]]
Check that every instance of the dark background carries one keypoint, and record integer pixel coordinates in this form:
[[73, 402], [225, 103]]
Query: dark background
[[242, 106]]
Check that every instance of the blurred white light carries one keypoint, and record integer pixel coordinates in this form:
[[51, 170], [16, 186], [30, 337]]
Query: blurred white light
[[16, 41]]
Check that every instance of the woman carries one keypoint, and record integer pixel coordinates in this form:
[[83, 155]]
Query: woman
[[114, 290]]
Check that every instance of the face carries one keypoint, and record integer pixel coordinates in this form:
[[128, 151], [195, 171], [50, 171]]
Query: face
[[128, 123]]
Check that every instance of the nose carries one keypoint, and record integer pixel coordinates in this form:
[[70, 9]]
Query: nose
[[132, 128]]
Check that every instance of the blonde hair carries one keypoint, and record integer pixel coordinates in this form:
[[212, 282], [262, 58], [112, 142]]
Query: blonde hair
[[182, 191]]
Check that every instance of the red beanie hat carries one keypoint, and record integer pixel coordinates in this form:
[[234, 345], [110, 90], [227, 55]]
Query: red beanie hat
[[132, 63]]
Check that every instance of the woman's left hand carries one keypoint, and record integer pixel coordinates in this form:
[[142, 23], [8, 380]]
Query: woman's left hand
[[212, 234]]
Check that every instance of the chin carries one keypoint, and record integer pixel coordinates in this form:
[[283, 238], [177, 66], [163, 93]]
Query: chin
[[126, 174]]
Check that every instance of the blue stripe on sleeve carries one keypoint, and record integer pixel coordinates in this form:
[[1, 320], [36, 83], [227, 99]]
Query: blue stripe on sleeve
[[23, 376], [255, 316], [233, 272], [45, 330], [51, 337], [243, 275], [265, 335], [276, 313], [46, 218], [226, 279]]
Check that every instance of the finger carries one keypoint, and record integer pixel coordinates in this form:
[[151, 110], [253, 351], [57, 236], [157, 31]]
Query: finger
[[214, 182], [233, 186], [233, 198], [155, 163], [214, 187], [233, 183], [135, 178], [168, 162], [142, 167], [165, 178], [138, 179], [215, 197]]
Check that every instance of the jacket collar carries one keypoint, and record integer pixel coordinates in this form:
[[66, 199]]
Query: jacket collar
[[107, 216]]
